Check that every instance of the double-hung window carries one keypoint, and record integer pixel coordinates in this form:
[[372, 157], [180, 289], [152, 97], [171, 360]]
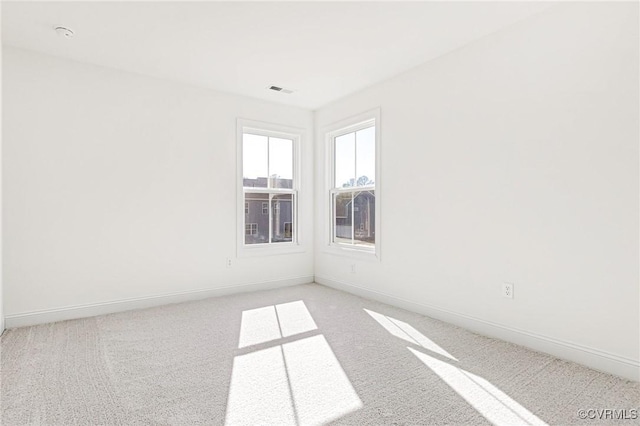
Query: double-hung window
[[268, 185], [353, 176]]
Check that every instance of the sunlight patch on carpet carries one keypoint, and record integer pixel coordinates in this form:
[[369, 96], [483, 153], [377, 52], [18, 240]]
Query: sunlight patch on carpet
[[408, 333], [259, 390], [494, 405], [295, 383], [274, 322], [259, 326], [294, 318], [321, 390]]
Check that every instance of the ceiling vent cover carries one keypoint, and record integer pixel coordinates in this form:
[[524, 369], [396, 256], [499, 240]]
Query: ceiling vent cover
[[281, 89], [64, 32]]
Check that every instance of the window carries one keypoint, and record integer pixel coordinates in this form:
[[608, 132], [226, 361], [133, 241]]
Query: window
[[268, 185], [353, 176], [251, 229]]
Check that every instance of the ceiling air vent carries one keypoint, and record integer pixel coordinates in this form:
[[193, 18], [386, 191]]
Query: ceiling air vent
[[64, 32], [281, 89]]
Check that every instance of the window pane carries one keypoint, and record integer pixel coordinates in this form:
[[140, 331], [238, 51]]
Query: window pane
[[343, 230], [366, 156], [256, 224], [281, 163], [345, 161], [364, 215], [254, 160], [282, 218]]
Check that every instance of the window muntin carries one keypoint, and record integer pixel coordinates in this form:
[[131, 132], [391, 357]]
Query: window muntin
[[269, 187], [353, 186]]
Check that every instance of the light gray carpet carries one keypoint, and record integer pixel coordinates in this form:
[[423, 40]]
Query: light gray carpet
[[299, 355]]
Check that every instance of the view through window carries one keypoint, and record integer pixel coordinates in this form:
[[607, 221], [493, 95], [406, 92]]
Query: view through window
[[353, 195], [268, 188]]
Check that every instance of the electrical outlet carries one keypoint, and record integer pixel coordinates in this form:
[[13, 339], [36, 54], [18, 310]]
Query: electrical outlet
[[507, 290], [228, 262]]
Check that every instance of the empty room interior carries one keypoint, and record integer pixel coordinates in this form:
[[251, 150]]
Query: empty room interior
[[305, 213]]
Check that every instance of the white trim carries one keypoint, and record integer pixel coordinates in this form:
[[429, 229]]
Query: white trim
[[348, 189], [330, 132], [590, 357], [24, 319], [274, 249], [270, 191], [297, 135], [354, 124]]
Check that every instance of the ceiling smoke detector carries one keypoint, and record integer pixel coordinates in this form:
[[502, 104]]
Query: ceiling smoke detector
[[64, 32], [280, 89]]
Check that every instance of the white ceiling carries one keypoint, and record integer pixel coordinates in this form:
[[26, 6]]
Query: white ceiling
[[322, 50]]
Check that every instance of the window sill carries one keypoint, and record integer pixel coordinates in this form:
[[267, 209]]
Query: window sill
[[361, 253], [259, 250]]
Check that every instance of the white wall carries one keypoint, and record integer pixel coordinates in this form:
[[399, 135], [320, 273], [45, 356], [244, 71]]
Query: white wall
[[512, 159], [119, 186]]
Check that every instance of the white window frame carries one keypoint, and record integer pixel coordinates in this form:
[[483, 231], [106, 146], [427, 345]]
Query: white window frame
[[331, 132], [277, 131]]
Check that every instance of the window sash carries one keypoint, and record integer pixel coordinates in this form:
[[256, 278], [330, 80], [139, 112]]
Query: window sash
[[353, 244], [335, 190], [294, 216], [272, 135]]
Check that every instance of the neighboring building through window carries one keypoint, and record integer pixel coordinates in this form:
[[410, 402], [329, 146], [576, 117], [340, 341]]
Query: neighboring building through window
[[353, 176]]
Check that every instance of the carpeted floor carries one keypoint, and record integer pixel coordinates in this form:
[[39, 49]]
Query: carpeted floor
[[298, 355]]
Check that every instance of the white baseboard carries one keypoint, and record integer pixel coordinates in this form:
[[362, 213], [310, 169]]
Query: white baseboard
[[90, 310], [590, 357]]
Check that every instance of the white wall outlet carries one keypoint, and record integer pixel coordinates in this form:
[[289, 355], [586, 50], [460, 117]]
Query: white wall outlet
[[228, 262], [507, 290]]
